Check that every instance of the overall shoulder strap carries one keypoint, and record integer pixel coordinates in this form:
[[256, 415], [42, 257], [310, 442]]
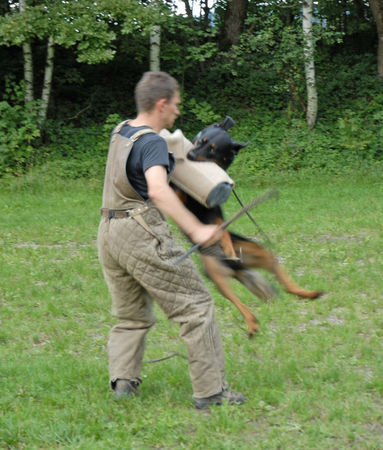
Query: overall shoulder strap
[[135, 136], [117, 129], [140, 133]]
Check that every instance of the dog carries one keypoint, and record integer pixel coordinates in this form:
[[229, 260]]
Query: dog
[[237, 256]]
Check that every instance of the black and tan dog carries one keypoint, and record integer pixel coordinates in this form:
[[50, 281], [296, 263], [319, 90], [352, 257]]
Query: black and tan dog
[[237, 256]]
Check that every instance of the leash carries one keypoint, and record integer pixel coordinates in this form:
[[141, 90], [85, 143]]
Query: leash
[[264, 235], [151, 361], [255, 202]]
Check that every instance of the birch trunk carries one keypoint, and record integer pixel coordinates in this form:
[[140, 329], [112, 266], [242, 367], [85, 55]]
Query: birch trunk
[[308, 50], [47, 87], [155, 45], [377, 12], [28, 72], [28, 63]]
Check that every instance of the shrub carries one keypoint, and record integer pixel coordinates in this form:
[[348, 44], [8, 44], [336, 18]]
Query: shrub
[[78, 152], [19, 131]]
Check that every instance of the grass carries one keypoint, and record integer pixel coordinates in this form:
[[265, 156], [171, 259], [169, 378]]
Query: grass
[[313, 376]]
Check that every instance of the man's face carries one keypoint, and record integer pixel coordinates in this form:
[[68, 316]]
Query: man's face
[[171, 111]]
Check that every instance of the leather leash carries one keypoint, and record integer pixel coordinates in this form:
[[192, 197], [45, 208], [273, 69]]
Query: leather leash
[[265, 236], [244, 210], [165, 358]]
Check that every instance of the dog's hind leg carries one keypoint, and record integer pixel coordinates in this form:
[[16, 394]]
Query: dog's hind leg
[[253, 255], [290, 285], [256, 283], [219, 274]]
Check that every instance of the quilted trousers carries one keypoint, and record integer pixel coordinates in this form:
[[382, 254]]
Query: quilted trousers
[[138, 268]]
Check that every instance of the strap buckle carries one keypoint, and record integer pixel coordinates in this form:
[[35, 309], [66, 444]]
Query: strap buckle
[[136, 211]]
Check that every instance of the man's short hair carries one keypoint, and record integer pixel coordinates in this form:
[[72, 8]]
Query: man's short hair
[[152, 87]]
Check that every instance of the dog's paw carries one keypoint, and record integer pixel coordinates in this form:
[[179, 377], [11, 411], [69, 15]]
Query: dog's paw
[[253, 331], [316, 294]]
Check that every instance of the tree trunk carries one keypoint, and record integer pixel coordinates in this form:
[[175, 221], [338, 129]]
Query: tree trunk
[[28, 72], [47, 87], [155, 45], [377, 11], [308, 50], [206, 13], [235, 17], [188, 9], [28, 63]]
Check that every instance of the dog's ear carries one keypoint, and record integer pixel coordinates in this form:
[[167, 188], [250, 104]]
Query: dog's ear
[[227, 123], [236, 146]]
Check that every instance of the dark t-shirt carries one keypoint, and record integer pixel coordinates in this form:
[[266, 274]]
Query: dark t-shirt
[[148, 151]]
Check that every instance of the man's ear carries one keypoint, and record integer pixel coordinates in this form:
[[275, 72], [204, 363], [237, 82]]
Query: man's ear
[[161, 103]]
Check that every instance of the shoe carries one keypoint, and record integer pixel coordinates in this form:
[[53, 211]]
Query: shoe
[[233, 398], [125, 388]]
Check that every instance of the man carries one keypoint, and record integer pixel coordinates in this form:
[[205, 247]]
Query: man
[[138, 254]]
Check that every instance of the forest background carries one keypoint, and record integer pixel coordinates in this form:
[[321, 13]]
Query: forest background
[[69, 70]]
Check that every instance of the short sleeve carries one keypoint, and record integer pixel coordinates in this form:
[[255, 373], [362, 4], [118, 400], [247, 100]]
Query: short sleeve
[[154, 153]]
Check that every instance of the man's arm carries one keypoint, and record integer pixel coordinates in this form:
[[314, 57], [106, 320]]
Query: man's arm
[[167, 201]]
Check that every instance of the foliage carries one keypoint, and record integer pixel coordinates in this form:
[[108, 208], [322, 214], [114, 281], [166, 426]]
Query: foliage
[[348, 82], [76, 153], [200, 112], [277, 145], [19, 131], [78, 23], [259, 82], [313, 376], [82, 24]]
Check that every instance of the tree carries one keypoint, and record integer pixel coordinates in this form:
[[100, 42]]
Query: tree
[[234, 20], [84, 25], [78, 23], [377, 11], [308, 51], [28, 64], [155, 46]]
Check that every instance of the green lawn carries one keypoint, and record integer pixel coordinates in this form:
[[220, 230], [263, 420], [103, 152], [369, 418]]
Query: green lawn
[[313, 376]]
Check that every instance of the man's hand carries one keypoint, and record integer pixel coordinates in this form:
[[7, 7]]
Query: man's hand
[[206, 235]]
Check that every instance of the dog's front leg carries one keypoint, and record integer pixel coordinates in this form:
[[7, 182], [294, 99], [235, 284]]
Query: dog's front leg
[[227, 243], [219, 274]]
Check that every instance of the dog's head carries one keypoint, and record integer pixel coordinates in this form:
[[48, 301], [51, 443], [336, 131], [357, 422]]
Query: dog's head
[[214, 144]]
